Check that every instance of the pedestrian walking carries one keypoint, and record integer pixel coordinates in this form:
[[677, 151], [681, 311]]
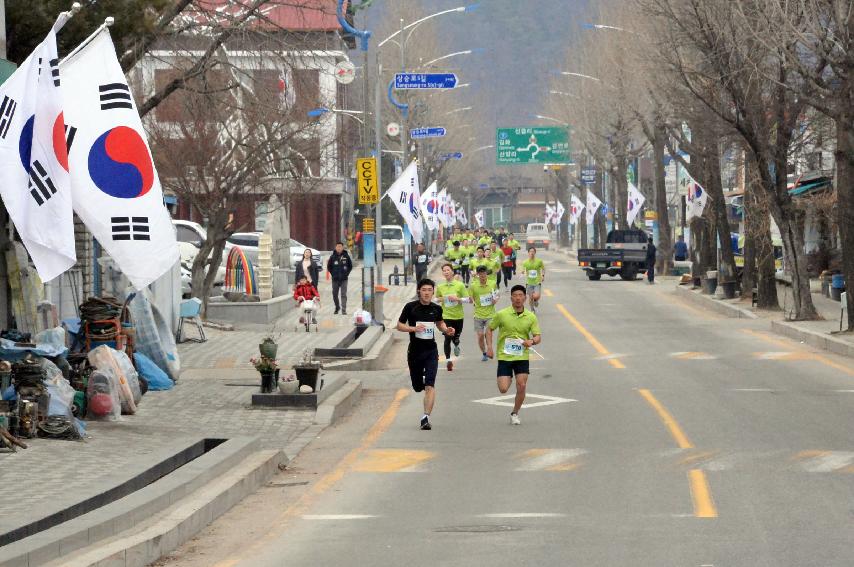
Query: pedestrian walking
[[535, 273], [451, 293], [484, 295], [421, 261], [421, 318], [518, 330], [307, 267], [339, 267], [650, 261]]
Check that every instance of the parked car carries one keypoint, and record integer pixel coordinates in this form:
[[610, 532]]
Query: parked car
[[624, 255], [392, 240], [537, 235], [248, 242], [190, 236]]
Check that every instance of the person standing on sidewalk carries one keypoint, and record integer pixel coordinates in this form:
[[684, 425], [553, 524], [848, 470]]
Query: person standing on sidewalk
[[307, 267], [421, 261], [650, 261], [518, 331], [421, 318], [339, 267], [451, 294], [484, 295]]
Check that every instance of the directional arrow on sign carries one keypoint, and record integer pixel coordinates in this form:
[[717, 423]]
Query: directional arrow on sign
[[425, 81]]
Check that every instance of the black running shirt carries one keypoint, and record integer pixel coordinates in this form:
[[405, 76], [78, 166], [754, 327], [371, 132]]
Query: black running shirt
[[416, 312]]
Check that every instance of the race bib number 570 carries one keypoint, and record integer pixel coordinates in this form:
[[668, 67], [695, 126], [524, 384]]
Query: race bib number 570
[[513, 347]]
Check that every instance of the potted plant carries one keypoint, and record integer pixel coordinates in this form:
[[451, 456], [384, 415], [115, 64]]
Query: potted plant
[[270, 346], [308, 370], [289, 384], [267, 367]]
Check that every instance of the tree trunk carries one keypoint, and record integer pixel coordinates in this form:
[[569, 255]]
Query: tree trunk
[[621, 186], [845, 203], [207, 261], [665, 237], [758, 236], [751, 214], [790, 221]]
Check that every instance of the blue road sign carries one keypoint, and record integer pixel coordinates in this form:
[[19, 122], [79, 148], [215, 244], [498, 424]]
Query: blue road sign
[[588, 175], [483, 186], [454, 155], [425, 81], [435, 132]]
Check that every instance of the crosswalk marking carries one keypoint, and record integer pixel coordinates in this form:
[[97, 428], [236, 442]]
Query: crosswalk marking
[[393, 460], [551, 460]]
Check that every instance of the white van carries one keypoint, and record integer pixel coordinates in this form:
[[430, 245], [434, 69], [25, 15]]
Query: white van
[[538, 235], [392, 240]]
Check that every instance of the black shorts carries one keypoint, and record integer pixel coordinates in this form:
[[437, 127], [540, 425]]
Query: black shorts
[[423, 365], [511, 367]]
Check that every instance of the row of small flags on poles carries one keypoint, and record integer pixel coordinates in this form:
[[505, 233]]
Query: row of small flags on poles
[[71, 141]]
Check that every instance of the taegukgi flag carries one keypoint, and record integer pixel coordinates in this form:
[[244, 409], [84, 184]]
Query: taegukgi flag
[[549, 214], [430, 206], [479, 218], [636, 201], [593, 204], [559, 212], [575, 208], [461, 215], [114, 185], [34, 142], [405, 195], [696, 199]]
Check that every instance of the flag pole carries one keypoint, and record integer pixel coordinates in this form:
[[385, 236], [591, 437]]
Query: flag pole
[[109, 21], [63, 17]]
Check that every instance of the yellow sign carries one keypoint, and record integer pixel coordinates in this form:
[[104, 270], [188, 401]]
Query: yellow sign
[[650, 215], [368, 225], [366, 179]]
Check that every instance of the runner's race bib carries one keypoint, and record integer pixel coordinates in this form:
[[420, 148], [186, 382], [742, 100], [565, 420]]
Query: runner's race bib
[[533, 274], [507, 258], [486, 300], [421, 259], [513, 346], [427, 333], [450, 302], [466, 261]]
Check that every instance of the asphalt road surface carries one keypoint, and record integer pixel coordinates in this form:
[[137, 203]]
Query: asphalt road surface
[[655, 434]]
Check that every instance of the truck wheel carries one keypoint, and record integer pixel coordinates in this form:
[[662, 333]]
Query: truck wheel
[[629, 275], [594, 276]]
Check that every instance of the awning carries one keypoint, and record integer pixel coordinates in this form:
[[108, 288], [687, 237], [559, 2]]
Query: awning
[[811, 187]]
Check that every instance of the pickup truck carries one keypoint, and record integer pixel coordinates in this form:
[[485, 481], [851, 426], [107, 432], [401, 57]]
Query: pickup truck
[[624, 255]]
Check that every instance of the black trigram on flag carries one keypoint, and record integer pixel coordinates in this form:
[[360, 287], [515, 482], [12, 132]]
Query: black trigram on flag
[[70, 132], [130, 228], [7, 112], [54, 71], [41, 187], [115, 95]]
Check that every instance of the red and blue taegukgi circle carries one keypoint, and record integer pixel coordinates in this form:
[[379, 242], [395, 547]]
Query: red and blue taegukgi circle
[[120, 165], [432, 206], [25, 142]]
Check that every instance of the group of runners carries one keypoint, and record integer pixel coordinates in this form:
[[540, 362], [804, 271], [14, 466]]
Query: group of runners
[[476, 280]]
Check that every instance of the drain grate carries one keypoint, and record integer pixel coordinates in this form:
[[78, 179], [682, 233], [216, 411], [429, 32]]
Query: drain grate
[[488, 529]]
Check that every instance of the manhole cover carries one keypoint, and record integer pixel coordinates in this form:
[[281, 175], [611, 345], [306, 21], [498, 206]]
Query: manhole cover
[[477, 529]]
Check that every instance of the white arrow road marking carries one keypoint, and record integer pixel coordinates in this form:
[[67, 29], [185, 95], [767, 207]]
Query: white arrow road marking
[[523, 515], [508, 401], [610, 356], [824, 461], [337, 517], [553, 460]]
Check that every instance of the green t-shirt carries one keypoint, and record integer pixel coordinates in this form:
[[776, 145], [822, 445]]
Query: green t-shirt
[[454, 256], [517, 327], [531, 266], [483, 298], [484, 241], [475, 262], [494, 265], [451, 309], [514, 244]]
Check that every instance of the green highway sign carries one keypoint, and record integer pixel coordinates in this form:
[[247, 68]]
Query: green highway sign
[[532, 145]]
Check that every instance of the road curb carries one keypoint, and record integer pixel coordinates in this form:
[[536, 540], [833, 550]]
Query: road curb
[[339, 404], [717, 305], [813, 338]]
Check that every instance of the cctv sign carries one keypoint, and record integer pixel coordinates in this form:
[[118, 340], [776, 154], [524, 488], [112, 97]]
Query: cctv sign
[[366, 179]]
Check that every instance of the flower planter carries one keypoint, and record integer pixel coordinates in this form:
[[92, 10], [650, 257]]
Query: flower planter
[[268, 348], [268, 381], [289, 387], [308, 375], [729, 289], [710, 285]]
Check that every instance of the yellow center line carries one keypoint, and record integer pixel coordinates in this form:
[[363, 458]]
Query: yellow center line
[[548, 293], [796, 346], [328, 480], [676, 431], [600, 348], [704, 506]]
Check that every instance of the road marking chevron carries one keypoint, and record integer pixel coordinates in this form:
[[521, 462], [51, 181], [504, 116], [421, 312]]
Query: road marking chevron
[[551, 460]]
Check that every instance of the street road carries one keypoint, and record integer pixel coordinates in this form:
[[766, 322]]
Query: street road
[[657, 434]]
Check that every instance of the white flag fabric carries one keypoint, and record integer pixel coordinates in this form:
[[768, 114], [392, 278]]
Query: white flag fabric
[[430, 206], [479, 218], [442, 198], [114, 185], [559, 212], [549, 214], [461, 215], [575, 208], [404, 193], [636, 201], [593, 204], [452, 211], [36, 187], [696, 199]]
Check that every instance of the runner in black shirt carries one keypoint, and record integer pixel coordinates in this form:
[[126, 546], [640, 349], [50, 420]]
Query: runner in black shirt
[[421, 318]]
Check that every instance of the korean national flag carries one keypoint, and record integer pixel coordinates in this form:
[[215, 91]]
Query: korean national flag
[[114, 185], [34, 160], [406, 197]]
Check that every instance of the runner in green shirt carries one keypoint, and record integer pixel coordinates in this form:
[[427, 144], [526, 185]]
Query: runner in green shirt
[[535, 273], [451, 293], [484, 296], [518, 331], [454, 256], [465, 262]]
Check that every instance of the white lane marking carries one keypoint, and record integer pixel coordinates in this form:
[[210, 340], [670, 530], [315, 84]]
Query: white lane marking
[[773, 355], [844, 391], [753, 390], [337, 517], [508, 401], [690, 355], [552, 458], [610, 356], [523, 515], [828, 462]]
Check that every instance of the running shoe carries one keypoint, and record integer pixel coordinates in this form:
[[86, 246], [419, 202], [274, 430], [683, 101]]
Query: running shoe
[[514, 419], [484, 358], [450, 366], [425, 424], [457, 350]]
